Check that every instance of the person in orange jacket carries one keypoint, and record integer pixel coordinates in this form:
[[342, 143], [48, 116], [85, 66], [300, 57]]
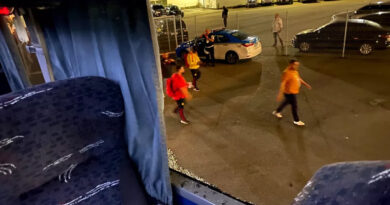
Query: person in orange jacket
[[289, 88]]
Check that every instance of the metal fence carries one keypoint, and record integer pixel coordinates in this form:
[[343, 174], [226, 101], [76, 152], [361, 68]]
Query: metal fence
[[171, 32]]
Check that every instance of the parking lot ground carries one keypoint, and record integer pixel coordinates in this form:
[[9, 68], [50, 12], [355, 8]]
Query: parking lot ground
[[235, 143]]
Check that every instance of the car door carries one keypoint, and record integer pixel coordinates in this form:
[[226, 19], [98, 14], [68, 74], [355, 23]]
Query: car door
[[221, 46], [331, 36], [362, 33]]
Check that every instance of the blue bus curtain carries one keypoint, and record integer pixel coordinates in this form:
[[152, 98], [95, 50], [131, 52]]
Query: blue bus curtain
[[112, 39]]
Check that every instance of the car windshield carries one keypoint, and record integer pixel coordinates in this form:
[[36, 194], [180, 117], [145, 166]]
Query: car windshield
[[240, 35]]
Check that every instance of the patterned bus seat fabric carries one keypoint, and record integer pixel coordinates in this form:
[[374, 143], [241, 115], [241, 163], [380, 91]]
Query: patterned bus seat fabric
[[63, 143], [355, 183]]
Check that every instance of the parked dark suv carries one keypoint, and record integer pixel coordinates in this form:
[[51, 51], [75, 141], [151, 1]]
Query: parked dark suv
[[374, 7], [174, 10], [158, 10], [382, 17], [362, 34], [284, 2]]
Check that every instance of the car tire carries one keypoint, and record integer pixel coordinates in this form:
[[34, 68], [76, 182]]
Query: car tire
[[366, 49], [231, 57], [304, 47]]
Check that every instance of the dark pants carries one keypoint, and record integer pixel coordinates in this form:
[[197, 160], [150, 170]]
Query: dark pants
[[276, 37], [210, 57], [225, 22], [180, 108], [292, 100], [195, 76], [180, 103]]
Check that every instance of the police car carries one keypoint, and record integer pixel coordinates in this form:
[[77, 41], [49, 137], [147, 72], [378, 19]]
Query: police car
[[229, 45]]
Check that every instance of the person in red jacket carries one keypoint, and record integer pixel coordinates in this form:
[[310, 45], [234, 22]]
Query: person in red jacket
[[178, 91]]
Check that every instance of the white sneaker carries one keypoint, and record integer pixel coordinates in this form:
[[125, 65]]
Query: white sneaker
[[299, 123], [184, 122], [196, 89], [277, 114]]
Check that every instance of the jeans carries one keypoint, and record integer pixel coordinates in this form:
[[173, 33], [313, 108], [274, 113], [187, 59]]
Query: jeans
[[292, 100], [276, 37]]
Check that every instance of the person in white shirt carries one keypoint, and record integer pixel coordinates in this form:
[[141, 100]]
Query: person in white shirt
[[277, 27]]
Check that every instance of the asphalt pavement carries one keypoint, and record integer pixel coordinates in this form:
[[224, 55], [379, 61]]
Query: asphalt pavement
[[235, 143]]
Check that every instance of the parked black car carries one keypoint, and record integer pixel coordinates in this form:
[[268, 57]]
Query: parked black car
[[382, 17], [284, 2], [374, 7], [174, 10], [362, 34], [158, 10]]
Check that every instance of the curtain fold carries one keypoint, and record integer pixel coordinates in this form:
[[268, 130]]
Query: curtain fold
[[10, 62], [112, 39]]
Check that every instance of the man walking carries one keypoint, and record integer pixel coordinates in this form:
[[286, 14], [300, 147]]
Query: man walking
[[209, 48], [177, 90], [291, 83], [225, 16], [277, 27], [194, 64]]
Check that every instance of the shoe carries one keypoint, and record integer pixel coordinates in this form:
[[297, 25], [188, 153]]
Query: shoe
[[185, 122], [277, 114], [299, 123], [196, 89]]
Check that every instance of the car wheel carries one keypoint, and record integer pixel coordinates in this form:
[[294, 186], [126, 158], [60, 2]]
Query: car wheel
[[304, 46], [231, 57], [365, 49]]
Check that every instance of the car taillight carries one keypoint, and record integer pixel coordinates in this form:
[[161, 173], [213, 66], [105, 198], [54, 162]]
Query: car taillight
[[248, 44]]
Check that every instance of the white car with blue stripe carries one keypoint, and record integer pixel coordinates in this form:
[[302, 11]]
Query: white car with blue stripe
[[229, 45]]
